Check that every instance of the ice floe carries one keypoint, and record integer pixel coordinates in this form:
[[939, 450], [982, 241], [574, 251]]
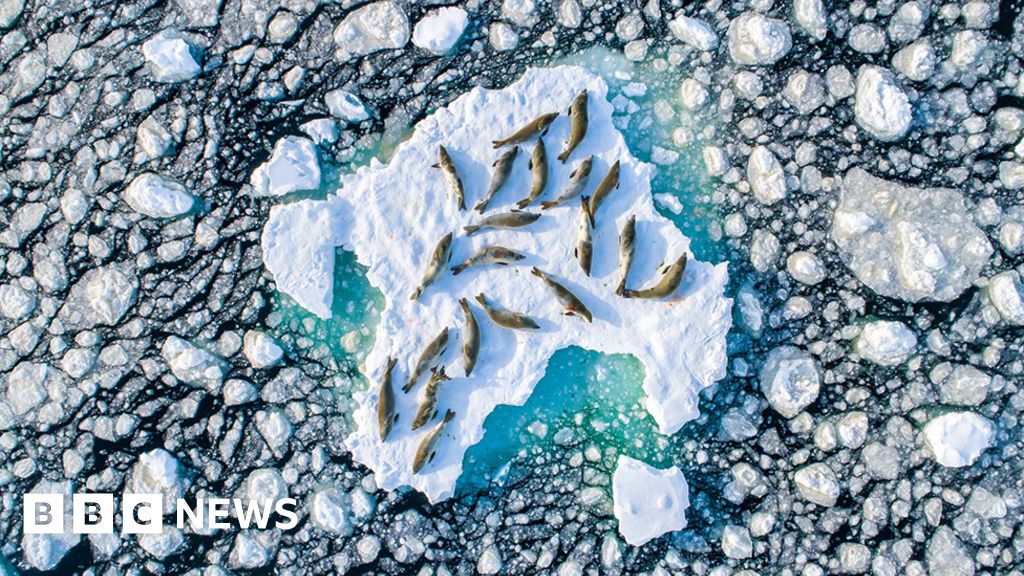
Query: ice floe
[[157, 197], [885, 342], [393, 215], [648, 501], [908, 243], [439, 31], [880, 105], [170, 57], [371, 28], [957, 439], [292, 167]]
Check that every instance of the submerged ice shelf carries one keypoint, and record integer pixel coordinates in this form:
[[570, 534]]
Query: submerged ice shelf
[[391, 216]]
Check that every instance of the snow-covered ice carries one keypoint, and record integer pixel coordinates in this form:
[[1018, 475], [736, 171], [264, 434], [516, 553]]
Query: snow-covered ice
[[908, 243], [757, 40], [696, 33], [157, 472], [378, 26], [817, 483], [880, 105], [885, 342], [298, 248], [957, 439], [812, 17], [439, 31], [293, 167], [157, 197], [790, 380], [170, 57], [648, 501], [261, 350], [346, 106], [367, 217], [766, 176], [1006, 293], [192, 364]]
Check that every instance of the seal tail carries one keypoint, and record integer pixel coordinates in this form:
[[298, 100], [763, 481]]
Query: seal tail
[[470, 229], [548, 204], [563, 156]]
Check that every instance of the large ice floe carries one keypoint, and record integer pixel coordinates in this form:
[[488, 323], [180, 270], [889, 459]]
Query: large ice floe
[[908, 243], [392, 216]]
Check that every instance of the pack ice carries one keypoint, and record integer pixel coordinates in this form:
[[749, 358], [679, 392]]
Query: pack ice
[[392, 216]]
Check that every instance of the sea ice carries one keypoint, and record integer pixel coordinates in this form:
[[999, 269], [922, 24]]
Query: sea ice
[[155, 196], [648, 501], [957, 439], [261, 350], [192, 364], [377, 26], [156, 472], [885, 342], [45, 551], [756, 40], [880, 105], [790, 380], [766, 176], [812, 17], [292, 167], [346, 106], [696, 33], [908, 243], [818, 483], [384, 228], [1006, 293], [171, 58], [439, 31]]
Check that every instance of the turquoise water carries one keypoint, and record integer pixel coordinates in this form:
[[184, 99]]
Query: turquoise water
[[586, 399]]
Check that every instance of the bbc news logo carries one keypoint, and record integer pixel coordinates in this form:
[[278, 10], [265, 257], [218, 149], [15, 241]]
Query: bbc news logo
[[144, 513]]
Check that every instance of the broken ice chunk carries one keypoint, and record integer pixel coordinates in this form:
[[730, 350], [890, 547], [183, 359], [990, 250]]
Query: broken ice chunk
[[374, 27], [648, 501], [346, 106], [261, 350], [155, 196], [439, 31], [755, 39], [170, 57], [1007, 295], [880, 105], [885, 342], [957, 439]]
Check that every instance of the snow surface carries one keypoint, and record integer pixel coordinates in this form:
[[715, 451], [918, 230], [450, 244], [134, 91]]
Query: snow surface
[[957, 439], [292, 167], [648, 501], [392, 233], [439, 31]]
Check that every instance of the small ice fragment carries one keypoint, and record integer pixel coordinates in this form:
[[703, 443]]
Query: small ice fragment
[[439, 31], [155, 196], [170, 57], [957, 439]]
